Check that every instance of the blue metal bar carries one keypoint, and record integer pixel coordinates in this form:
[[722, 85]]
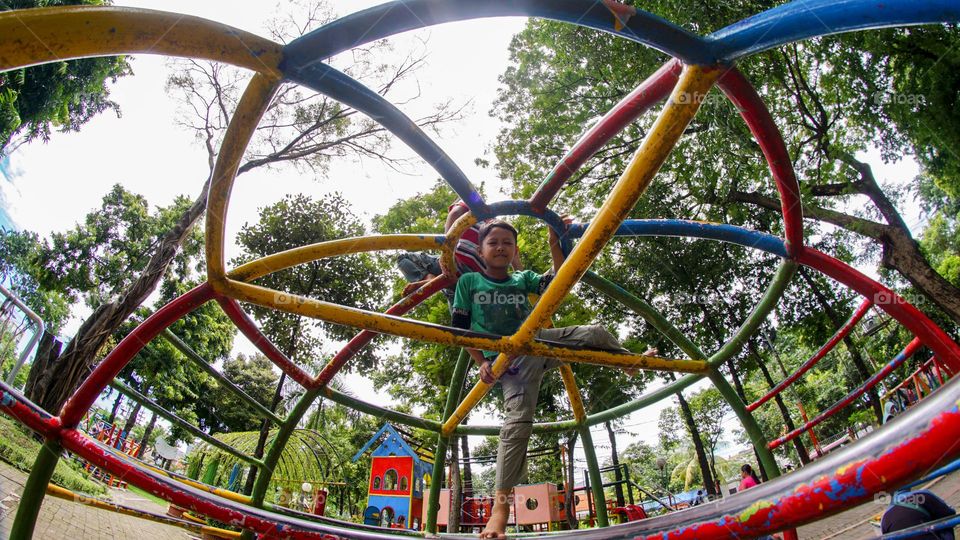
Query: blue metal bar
[[353, 93], [694, 229], [802, 19], [403, 15], [946, 469]]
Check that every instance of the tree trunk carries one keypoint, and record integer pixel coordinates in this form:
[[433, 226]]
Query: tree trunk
[[569, 496], [116, 407], [264, 432], [43, 373], [697, 444], [900, 251], [615, 460], [467, 473], [146, 436], [852, 347], [456, 491], [131, 420], [802, 453], [58, 379]]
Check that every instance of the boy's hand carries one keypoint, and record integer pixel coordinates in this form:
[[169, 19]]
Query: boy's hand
[[567, 220], [486, 372], [651, 351], [411, 287]]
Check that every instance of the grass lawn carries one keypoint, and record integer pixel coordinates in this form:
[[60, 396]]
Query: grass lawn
[[19, 448], [141, 493]]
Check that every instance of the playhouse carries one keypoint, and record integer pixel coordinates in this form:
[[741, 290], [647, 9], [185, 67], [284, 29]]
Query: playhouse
[[399, 476]]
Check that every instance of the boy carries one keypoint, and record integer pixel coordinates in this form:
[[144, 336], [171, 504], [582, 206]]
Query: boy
[[495, 301]]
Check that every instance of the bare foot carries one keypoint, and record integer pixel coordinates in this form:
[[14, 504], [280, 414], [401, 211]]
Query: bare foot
[[497, 524]]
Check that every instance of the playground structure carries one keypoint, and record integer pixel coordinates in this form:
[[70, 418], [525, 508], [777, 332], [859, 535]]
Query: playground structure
[[399, 476], [889, 458]]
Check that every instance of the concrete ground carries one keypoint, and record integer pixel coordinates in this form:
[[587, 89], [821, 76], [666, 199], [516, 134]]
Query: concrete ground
[[60, 519]]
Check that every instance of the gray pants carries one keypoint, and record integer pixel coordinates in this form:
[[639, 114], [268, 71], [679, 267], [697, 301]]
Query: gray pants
[[521, 388]]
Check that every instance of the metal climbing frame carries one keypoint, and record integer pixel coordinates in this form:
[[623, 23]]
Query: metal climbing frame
[[842, 479]]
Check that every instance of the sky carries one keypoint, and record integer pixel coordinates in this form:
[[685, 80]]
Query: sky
[[50, 187]]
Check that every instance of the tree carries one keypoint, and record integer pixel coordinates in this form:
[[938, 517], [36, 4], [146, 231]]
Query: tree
[[255, 376], [99, 262], [57, 95], [305, 129], [560, 80], [709, 408], [19, 254], [353, 280]]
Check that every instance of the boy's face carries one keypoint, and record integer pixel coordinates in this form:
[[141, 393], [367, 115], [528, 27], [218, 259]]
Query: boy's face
[[498, 248]]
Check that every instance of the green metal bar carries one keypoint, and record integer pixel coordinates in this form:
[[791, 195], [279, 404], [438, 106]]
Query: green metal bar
[[194, 430], [439, 461], [645, 400], [769, 301], [596, 481], [648, 312], [433, 425], [221, 379], [749, 423], [277, 445], [34, 490], [749, 327]]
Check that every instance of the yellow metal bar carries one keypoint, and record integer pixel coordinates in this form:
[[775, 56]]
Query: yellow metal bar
[[447, 259], [255, 100], [37, 36], [226, 494], [694, 83], [399, 326], [576, 399], [344, 246], [66, 494]]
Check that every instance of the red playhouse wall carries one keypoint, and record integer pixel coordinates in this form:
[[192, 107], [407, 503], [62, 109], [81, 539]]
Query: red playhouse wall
[[381, 464]]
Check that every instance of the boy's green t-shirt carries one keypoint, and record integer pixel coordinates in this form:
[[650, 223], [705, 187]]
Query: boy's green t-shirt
[[496, 306]]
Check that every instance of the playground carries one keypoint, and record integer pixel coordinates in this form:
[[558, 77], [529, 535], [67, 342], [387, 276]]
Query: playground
[[319, 461]]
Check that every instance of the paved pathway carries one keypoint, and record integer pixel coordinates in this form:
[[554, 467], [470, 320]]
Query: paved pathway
[[855, 523], [60, 519]]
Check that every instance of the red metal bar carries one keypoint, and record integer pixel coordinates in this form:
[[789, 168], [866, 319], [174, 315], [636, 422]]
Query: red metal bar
[[839, 335], [78, 404], [753, 110], [185, 497], [902, 311], [35, 418], [657, 87], [246, 325], [364, 337], [868, 384]]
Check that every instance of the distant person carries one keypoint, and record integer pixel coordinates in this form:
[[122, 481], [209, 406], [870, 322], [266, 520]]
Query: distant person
[[699, 499], [912, 508], [748, 478]]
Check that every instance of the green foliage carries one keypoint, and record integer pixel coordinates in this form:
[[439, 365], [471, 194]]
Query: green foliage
[[354, 280], [59, 95], [20, 449], [21, 253], [255, 376], [100, 258]]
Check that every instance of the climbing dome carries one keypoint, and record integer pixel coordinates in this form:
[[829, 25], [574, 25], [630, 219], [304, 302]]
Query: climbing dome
[[885, 460]]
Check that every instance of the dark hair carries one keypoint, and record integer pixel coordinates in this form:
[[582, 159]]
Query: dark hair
[[749, 470], [495, 224]]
